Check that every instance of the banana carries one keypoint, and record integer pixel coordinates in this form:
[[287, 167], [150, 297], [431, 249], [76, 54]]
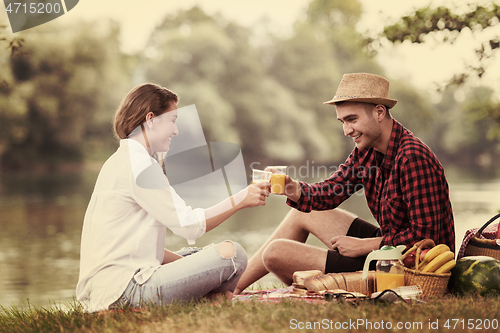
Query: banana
[[446, 267], [438, 261], [433, 253]]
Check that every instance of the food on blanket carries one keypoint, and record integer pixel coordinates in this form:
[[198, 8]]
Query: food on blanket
[[432, 254], [425, 244], [299, 291], [446, 267], [476, 274], [409, 261], [354, 282], [314, 284], [339, 278], [438, 261], [329, 281], [350, 282], [300, 276]]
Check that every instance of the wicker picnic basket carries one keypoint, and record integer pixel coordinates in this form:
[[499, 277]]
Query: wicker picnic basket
[[483, 247], [432, 284]]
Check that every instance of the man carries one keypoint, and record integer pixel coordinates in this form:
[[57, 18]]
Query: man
[[404, 184]]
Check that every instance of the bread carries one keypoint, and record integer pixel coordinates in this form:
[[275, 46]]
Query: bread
[[329, 282], [340, 280], [299, 291], [314, 284], [355, 283], [349, 281], [300, 276]]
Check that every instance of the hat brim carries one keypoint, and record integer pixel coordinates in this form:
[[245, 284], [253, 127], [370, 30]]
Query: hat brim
[[389, 103]]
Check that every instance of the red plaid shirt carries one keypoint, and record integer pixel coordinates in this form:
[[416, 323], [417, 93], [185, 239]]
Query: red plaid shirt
[[406, 190]]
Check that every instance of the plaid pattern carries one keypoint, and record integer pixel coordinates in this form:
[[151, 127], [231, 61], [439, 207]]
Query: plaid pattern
[[406, 190]]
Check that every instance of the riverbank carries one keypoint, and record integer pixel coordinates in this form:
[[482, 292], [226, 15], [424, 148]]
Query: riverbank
[[447, 314]]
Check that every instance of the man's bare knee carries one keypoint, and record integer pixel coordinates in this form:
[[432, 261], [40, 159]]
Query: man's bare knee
[[226, 249], [273, 254]]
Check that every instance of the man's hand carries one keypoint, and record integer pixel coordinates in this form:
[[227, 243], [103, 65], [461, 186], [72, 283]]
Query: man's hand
[[292, 189], [355, 247]]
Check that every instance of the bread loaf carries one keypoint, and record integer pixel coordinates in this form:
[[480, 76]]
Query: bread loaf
[[349, 281], [300, 276], [314, 284]]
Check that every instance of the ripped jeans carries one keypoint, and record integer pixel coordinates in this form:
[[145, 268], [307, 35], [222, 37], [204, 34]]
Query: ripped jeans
[[188, 278]]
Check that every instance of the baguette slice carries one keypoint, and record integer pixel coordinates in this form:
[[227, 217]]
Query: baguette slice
[[314, 284], [329, 282], [300, 276], [340, 280]]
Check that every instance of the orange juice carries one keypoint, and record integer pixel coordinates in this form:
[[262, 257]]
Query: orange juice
[[277, 183], [389, 280]]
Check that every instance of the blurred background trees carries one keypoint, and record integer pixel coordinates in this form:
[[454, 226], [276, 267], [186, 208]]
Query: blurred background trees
[[477, 119], [59, 95], [59, 92], [446, 25]]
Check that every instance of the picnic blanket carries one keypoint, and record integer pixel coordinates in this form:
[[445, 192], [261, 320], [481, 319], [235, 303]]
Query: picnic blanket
[[277, 295]]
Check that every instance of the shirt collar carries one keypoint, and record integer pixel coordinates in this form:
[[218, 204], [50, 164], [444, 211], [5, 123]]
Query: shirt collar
[[139, 157], [392, 148]]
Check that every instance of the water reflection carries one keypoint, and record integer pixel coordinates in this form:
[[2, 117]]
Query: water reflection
[[41, 219]]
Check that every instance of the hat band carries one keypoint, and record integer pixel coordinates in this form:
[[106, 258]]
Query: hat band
[[351, 96]]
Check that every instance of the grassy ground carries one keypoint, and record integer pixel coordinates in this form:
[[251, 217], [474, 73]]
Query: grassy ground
[[448, 314]]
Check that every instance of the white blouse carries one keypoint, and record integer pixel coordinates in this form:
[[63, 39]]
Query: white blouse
[[124, 225]]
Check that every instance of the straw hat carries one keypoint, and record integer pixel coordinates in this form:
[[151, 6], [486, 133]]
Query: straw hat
[[363, 87]]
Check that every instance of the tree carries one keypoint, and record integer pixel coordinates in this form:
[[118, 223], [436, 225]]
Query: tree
[[443, 24], [446, 25], [63, 90], [210, 62]]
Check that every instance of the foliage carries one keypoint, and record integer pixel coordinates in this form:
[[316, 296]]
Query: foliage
[[464, 134], [265, 109], [269, 98], [445, 25], [62, 91], [58, 92]]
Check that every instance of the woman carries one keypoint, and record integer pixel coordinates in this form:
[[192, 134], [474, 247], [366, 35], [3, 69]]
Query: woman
[[123, 259]]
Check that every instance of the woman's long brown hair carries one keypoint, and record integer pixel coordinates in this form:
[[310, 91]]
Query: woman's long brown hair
[[140, 101]]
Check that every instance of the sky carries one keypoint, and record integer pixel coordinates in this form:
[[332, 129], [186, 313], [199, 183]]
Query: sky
[[423, 65]]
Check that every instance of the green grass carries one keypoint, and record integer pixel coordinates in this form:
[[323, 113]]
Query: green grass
[[254, 316]]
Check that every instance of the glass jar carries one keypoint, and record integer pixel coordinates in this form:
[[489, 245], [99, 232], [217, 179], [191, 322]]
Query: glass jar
[[389, 274]]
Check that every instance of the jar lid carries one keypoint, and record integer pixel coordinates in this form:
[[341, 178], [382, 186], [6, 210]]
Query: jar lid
[[386, 252]]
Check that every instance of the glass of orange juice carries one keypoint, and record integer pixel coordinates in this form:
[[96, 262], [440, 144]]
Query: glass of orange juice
[[277, 179], [259, 176]]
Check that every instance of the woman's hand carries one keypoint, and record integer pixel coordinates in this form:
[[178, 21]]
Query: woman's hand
[[256, 194], [251, 196]]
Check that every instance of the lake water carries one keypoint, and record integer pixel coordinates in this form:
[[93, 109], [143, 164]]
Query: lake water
[[41, 218]]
